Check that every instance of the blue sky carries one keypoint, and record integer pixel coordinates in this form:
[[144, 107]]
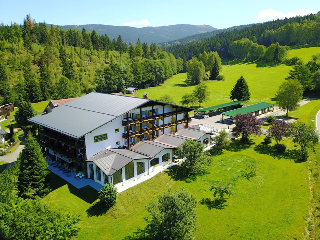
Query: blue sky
[[138, 13]]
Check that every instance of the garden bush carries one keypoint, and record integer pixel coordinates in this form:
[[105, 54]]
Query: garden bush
[[108, 195]]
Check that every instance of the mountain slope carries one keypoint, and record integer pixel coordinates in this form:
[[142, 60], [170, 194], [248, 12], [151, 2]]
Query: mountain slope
[[145, 34]]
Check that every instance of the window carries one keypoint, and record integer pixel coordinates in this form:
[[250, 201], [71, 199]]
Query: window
[[140, 168], [117, 177], [129, 171], [105, 178], [154, 161], [116, 130], [117, 142], [166, 157], [98, 173], [101, 137]]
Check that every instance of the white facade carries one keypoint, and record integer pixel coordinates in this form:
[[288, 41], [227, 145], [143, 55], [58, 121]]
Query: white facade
[[111, 128]]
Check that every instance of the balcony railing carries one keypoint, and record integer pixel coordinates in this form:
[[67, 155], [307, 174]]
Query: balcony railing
[[70, 142]]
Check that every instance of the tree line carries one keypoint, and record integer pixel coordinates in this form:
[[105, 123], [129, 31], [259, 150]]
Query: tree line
[[289, 31], [41, 62]]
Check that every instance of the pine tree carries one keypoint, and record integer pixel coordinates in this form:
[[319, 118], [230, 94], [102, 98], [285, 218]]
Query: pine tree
[[139, 50], [33, 170], [240, 91]]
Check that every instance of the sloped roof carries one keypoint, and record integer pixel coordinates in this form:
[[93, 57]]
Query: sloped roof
[[171, 140], [248, 109], [61, 102], [190, 133], [112, 160], [87, 113], [149, 148], [212, 108]]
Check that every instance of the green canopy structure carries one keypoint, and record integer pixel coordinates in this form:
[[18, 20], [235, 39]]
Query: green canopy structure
[[249, 109], [224, 105]]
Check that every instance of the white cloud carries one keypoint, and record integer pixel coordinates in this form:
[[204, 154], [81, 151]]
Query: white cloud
[[143, 22], [271, 14]]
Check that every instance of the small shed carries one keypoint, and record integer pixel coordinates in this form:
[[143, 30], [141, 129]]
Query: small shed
[[130, 90]]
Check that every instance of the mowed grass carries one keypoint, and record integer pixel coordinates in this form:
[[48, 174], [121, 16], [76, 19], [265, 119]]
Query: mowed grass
[[307, 112], [304, 52], [263, 82], [38, 107], [271, 205]]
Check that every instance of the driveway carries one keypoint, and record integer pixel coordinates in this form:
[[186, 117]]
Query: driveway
[[12, 157]]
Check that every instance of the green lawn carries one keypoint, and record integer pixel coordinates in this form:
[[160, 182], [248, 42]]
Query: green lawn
[[263, 83], [263, 80], [304, 53], [38, 107], [271, 205], [307, 112]]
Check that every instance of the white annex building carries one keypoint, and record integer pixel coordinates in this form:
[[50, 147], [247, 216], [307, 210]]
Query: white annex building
[[114, 138]]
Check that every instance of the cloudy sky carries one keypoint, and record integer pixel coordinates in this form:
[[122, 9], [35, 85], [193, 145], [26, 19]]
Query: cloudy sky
[[138, 13]]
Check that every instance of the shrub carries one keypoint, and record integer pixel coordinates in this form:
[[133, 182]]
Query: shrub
[[108, 195], [267, 140], [280, 148], [270, 119], [221, 190], [222, 140], [220, 78]]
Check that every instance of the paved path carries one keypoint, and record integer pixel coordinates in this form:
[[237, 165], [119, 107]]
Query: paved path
[[12, 157]]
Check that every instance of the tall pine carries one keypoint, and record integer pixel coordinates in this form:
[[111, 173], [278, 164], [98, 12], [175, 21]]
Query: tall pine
[[240, 91], [32, 178]]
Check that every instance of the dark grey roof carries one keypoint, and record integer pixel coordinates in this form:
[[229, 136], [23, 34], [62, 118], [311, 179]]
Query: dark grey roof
[[171, 140], [3, 132], [87, 113], [190, 133], [149, 148], [112, 160], [128, 153]]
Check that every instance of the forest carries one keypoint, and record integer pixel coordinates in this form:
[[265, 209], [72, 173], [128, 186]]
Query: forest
[[40, 63], [289, 31]]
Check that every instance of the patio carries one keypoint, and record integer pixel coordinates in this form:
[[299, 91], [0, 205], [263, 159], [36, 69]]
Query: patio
[[70, 176]]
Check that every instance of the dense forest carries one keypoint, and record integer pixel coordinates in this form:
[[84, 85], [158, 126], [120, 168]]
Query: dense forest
[[290, 31], [40, 62]]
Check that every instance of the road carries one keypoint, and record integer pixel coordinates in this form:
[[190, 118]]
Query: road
[[12, 157]]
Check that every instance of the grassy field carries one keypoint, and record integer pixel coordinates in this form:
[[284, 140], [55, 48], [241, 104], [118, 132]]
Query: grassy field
[[263, 80], [271, 205], [307, 112], [304, 53], [38, 107]]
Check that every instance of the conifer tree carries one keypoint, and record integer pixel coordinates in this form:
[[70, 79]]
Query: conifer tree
[[240, 91], [33, 170]]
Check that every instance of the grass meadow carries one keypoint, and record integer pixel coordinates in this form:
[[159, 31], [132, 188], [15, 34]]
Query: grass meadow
[[271, 205], [263, 80]]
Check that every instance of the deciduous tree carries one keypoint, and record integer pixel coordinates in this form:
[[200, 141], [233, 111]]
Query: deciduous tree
[[278, 130], [201, 93], [305, 135], [289, 94], [173, 216], [245, 125], [195, 71]]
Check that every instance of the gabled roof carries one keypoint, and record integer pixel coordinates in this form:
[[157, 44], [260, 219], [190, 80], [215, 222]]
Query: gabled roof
[[149, 148], [171, 140], [190, 133], [248, 109], [85, 114], [112, 160]]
